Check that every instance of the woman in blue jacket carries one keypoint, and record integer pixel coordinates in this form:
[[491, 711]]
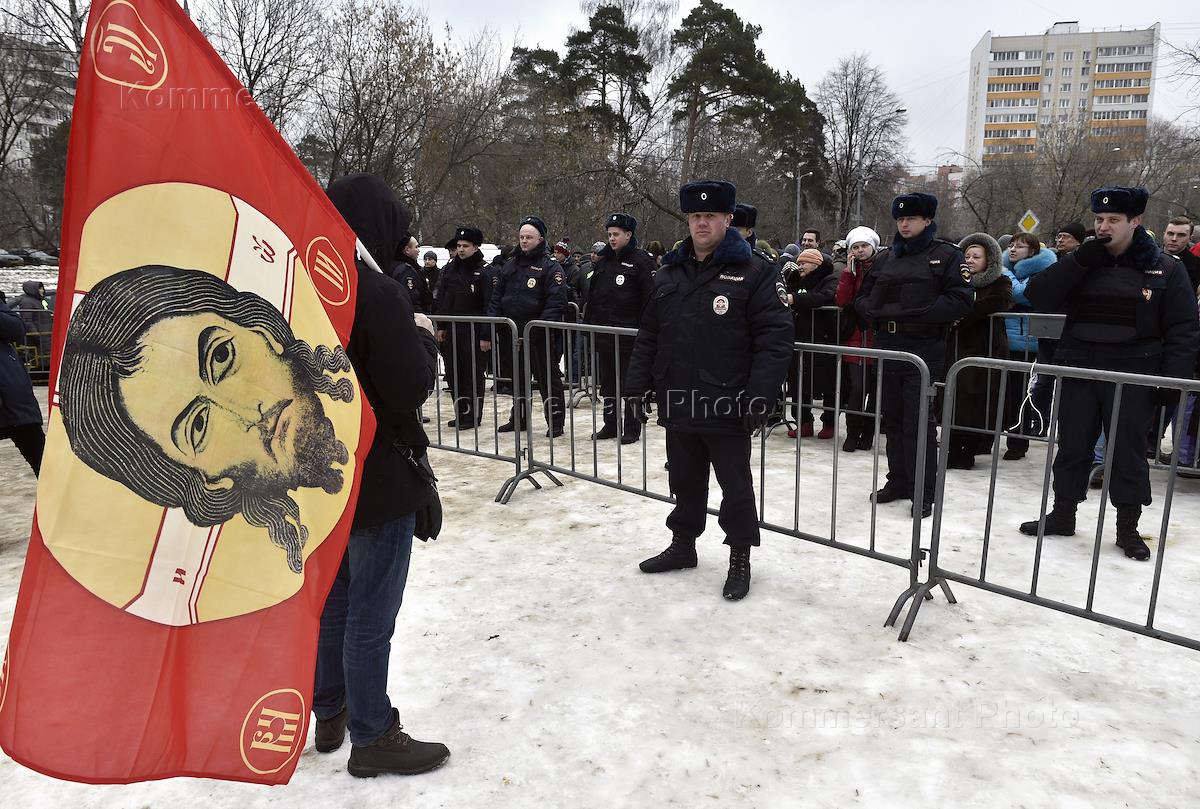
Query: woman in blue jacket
[[1024, 259]]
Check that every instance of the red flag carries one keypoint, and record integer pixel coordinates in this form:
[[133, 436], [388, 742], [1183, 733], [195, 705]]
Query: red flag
[[206, 430]]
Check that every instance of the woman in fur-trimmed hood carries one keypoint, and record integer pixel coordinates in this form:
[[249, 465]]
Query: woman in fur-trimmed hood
[[978, 335]]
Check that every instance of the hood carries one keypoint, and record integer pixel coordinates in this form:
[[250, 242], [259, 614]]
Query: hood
[[1032, 265], [733, 248], [902, 247], [624, 252], [991, 250], [33, 289], [373, 212]]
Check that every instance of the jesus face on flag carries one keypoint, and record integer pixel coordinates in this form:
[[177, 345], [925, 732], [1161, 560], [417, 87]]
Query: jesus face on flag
[[196, 396], [203, 402]]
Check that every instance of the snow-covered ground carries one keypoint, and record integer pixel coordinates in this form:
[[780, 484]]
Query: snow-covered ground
[[561, 676]]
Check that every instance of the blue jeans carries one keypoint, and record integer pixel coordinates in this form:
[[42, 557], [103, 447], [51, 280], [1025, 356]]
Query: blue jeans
[[357, 625]]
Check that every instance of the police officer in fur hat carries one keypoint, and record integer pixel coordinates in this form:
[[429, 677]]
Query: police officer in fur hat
[[714, 344], [745, 220], [532, 286], [622, 279], [1129, 308], [914, 291], [463, 289]]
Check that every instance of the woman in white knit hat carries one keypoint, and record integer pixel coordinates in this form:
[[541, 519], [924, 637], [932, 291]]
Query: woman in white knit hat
[[858, 373]]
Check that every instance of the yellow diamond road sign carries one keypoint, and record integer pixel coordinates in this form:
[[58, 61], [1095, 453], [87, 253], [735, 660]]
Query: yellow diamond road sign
[[1029, 222]]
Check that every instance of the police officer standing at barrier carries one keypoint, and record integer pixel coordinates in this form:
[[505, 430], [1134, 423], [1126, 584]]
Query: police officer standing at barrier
[[1129, 308], [714, 343], [532, 286], [621, 282], [745, 219], [914, 291], [463, 290]]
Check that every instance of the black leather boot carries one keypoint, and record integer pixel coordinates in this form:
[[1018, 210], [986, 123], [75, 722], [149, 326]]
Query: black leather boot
[[737, 583], [1128, 538], [397, 753], [332, 732], [679, 555], [1060, 522]]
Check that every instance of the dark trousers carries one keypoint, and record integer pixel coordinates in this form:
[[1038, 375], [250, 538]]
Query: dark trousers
[[690, 455], [811, 377], [613, 353], [464, 368], [858, 393], [899, 412], [30, 441], [356, 628], [549, 380], [1085, 410]]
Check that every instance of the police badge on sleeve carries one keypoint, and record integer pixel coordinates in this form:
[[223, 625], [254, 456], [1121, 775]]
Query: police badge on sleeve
[[781, 292]]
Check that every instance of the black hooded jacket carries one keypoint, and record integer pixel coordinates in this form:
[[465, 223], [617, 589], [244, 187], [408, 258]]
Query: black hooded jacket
[[621, 283], [407, 273], [395, 360], [463, 287]]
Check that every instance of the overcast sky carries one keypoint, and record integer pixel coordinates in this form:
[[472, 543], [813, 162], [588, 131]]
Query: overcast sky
[[925, 56]]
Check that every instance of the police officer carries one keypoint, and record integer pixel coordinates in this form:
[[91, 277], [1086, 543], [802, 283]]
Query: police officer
[[1129, 308], [407, 272], [621, 282], [532, 286], [714, 344], [914, 291], [463, 290], [745, 219]]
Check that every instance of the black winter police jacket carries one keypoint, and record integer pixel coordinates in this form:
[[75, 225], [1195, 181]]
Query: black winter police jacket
[[1135, 313], [530, 286], [715, 337], [621, 283]]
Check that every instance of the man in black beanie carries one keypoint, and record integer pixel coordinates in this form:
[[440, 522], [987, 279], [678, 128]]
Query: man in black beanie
[[714, 343], [914, 291], [1129, 308], [620, 285]]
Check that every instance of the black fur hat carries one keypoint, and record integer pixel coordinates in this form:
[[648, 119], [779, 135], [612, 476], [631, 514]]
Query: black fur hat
[[745, 216], [621, 220], [468, 234], [707, 196], [537, 222], [1118, 199], [916, 203]]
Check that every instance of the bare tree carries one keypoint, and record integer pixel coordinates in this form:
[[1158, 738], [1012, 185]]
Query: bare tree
[[275, 48], [864, 129], [57, 23]]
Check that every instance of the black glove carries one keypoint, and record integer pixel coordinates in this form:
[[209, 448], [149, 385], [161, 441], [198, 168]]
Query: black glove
[[755, 413], [1092, 253]]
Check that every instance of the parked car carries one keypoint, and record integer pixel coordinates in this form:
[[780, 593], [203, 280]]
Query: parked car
[[7, 259], [43, 258]]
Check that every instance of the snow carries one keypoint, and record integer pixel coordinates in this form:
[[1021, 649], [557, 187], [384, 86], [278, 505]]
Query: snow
[[559, 675]]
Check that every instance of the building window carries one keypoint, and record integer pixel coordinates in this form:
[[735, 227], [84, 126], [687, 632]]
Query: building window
[[1065, 88], [1049, 56], [1045, 103], [1068, 56], [1087, 56], [1083, 71], [1066, 71], [1048, 72], [1064, 102], [1083, 103], [1083, 85]]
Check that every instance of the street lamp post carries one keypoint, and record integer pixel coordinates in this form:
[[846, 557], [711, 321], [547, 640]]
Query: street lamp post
[[799, 180]]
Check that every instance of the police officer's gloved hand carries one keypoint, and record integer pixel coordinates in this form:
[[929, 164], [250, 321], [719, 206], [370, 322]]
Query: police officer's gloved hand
[[755, 413], [1092, 253]]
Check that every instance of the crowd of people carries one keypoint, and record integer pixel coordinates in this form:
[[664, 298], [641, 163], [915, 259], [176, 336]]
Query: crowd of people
[[717, 319]]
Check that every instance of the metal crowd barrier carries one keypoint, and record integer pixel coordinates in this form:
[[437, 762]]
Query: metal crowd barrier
[[502, 333], [610, 467], [940, 576], [35, 350]]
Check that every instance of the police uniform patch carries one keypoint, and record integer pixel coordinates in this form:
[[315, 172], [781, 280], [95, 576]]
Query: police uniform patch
[[1147, 293], [720, 304], [558, 277], [781, 291], [620, 280], [531, 283], [410, 283], [965, 271]]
